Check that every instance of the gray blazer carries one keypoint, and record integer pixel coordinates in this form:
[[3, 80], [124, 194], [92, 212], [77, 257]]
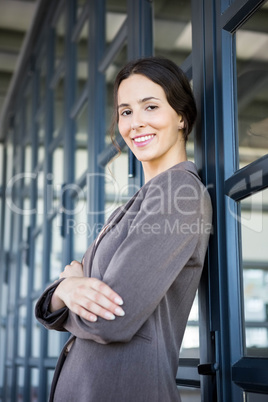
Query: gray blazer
[[152, 255]]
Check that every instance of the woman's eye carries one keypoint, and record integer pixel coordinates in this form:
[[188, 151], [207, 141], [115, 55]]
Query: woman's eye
[[126, 112], [151, 107]]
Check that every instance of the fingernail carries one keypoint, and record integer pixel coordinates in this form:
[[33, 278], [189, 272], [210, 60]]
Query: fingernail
[[118, 300], [93, 318], [119, 311], [109, 316]]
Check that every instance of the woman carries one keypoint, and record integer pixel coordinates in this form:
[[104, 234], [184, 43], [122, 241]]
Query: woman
[[127, 305]]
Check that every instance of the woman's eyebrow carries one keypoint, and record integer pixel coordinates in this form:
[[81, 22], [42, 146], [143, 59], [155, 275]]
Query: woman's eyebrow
[[140, 101]]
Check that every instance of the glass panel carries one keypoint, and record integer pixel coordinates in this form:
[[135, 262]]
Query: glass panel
[[115, 16], [24, 276], [59, 39], [80, 5], [251, 397], [190, 394], [254, 233], [41, 139], [172, 29], [252, 87], [42, 81], [53, 344], [81, 142], [22, 331], [58, 175], [28, 115], [50, 374], [20, 384], [36, 334], [38, 258], [78, 224], [40, 198], [116, 183], [56, 250], [58, 107], [190, 342], [82, 60], [116, 172], [34, 384]]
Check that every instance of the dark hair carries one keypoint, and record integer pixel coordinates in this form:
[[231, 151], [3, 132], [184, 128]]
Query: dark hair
[[171, 78]]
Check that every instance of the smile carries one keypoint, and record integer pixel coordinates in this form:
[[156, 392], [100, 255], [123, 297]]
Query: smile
[[143, 140]]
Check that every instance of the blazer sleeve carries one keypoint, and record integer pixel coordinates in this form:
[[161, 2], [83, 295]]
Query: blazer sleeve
[[159, 244]]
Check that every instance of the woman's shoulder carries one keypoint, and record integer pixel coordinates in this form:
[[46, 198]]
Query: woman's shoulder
[[180, 174]]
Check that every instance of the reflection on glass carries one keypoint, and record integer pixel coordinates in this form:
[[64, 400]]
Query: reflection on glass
[[53, 343], [34, 384], [81, 142], [251, 397], [172, 29], [38, 258], [20, 383], [56, 250], [79, 226], [22, 331], [254, 233], [82, 59], [59, 39], [190, 394], [115, 16], [58, 107], [252, 87], [190, 342]]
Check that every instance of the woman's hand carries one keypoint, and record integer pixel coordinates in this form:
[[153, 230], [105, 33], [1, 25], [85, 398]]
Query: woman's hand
[[87, 297], [74, 269]]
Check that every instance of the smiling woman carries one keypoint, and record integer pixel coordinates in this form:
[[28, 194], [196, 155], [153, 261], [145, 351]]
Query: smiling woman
[[126, 306]]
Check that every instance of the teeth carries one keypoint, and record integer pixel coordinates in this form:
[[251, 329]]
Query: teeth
[[145, 138]]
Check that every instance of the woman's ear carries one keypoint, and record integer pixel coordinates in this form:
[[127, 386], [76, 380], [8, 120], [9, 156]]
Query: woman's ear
[[181, 124]]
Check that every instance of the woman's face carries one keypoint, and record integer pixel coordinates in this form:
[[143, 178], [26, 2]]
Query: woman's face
[[149, 125]]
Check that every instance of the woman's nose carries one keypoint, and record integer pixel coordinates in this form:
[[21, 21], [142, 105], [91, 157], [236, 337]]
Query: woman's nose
[[137, 123]]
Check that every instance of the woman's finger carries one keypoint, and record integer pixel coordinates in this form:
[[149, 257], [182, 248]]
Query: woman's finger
[[104, 289]]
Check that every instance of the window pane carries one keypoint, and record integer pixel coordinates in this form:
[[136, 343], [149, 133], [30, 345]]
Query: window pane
[[254, 233], [36, 334], [190, 394], [190, 342], [58, 107], [251, 397], [81, 137], [22, 331], [57, 176], [59, 39], [82, 60], [78, 224], [54, 345], [40, 198], [172, 29], [252, 87], [20, 383], [34, 384], [56, 249], [38, 258], [115, 16]]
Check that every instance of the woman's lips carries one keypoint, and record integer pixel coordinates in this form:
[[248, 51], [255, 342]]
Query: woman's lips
[[143, 140]]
